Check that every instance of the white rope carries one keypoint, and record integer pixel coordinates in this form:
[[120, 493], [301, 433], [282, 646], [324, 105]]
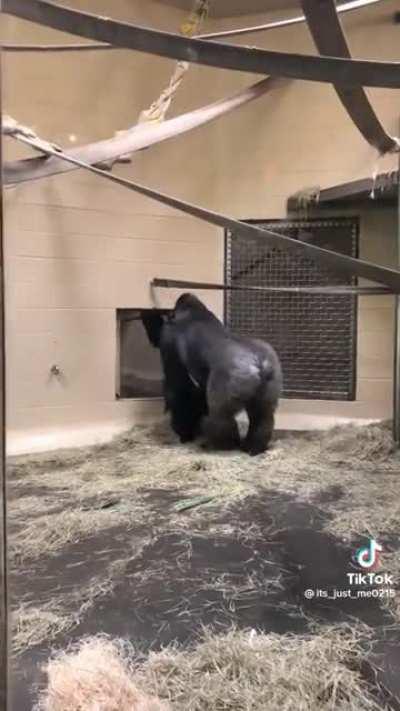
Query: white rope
[[157, 111], [11, 127]]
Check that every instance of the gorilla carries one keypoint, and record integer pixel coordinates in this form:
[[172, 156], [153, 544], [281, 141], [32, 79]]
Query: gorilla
[[211, 375]]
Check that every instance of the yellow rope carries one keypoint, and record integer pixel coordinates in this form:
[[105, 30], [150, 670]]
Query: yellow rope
[[190, 27], [159, 108], [196, 18]]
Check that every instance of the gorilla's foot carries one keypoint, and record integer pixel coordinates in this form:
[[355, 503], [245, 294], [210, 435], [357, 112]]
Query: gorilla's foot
[[255, 448], [185, 438], [221, 433]]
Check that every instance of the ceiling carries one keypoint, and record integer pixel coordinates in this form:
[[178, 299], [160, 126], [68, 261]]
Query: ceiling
[[229, 8]]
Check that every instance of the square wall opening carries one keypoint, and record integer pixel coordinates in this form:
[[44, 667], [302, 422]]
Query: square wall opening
[[139, 370]]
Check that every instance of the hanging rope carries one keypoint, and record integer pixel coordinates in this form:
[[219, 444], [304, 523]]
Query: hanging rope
[[159, 108], [11, 127]]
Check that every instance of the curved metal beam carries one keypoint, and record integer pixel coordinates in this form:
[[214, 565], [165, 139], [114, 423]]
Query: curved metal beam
[[332, 260], [245, 59], [329, 38], [134, 139], [346, 7]]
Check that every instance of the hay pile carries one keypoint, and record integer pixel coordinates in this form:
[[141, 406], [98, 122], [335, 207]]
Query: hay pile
[[372, 443], [94, 677], [36, 623], [368, 463], [75, 487], [242, 671]]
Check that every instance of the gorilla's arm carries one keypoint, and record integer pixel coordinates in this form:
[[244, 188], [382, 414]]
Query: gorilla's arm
[[186, 402], [184, 399], [153, 323]]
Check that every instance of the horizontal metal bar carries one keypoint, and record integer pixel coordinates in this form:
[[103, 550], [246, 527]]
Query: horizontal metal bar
[[77, 47], [136, 138], [348, 72], [346, 7], [344, 290], [340, 263], [329, 38]]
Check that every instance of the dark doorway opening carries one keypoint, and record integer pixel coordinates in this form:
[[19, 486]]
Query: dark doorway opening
[[139, 372]]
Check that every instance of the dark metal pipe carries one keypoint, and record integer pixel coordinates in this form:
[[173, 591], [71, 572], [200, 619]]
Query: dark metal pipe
[[396, 366], [3, 484], [344, 290]]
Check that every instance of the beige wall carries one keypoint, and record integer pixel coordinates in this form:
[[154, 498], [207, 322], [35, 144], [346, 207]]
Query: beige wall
[[78, 247]]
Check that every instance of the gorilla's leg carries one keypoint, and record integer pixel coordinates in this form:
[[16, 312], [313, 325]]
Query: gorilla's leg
[[187, 410], [221, 431], [184, 424], [220, 427], [261, 426]]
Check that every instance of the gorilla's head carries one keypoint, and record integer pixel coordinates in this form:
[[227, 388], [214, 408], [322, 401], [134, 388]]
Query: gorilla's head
[[187, 300], [189, 304], [189, 307]]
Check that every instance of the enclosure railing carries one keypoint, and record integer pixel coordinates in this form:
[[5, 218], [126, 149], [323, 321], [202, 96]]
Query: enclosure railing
[[396, 369], [3, 499]]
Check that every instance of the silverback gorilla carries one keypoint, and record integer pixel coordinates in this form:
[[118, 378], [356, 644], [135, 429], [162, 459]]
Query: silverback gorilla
[[211, 375]]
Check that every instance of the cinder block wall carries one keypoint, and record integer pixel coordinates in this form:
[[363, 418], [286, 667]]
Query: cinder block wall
[[78, 248]]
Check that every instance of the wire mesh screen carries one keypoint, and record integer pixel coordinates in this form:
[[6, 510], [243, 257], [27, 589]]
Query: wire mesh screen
[[314, 334]]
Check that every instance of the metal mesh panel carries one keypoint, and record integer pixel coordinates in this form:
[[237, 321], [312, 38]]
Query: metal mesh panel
[[314, 334]]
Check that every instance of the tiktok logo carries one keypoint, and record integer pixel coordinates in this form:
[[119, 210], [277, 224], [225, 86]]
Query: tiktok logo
[[368, 556]]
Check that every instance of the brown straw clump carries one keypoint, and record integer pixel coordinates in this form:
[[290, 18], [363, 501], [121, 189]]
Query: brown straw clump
[[95, 676]]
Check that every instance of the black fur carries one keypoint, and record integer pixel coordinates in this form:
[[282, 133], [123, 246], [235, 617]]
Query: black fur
[[211, 375], [183, 399]]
